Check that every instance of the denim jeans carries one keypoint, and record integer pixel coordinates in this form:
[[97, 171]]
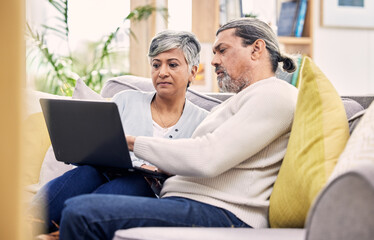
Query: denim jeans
[[99, 216], [83, 180]]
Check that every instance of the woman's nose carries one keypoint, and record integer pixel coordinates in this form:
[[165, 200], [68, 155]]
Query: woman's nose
[[164, 72]]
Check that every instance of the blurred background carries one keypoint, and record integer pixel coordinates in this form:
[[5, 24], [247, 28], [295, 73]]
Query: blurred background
[[96, 40], [46, 45]]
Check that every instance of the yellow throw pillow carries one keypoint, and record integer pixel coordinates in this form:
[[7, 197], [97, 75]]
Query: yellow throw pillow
[[319, 134], [35, 144]]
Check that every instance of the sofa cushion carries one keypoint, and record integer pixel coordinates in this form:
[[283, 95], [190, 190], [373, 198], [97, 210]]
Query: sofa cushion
[[319, 134], [355, 119], [351, 107], [117, 84], [36, 142]]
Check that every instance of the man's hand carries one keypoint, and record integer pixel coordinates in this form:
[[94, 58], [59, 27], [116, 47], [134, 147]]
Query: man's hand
[[130, 142]]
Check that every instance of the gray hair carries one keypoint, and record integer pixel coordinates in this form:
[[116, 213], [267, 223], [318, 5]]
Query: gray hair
[[251, 29], [186, 41]]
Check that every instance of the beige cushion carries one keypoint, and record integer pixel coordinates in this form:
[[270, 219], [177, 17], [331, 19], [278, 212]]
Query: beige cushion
[[35, 137], [49, 168]]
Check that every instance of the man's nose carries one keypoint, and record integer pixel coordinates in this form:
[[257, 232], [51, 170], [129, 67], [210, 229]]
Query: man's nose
[[215, 61]]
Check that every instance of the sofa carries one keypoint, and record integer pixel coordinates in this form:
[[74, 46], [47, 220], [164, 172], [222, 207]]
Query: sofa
[[340, 207]]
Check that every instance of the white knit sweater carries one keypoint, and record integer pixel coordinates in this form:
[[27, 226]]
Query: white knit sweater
[[234, 155]]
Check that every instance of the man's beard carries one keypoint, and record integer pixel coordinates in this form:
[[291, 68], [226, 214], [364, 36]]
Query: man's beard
[[226, 84]]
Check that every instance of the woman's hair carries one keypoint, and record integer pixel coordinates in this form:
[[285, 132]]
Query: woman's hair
[[186, 41], [251, 29]]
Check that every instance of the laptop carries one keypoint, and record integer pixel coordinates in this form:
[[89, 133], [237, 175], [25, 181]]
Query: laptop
[[88, 133]]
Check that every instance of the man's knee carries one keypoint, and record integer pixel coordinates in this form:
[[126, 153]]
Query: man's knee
[[75, 209], [75, 218]]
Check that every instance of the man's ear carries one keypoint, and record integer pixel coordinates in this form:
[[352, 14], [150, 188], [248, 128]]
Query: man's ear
[[258, 47]]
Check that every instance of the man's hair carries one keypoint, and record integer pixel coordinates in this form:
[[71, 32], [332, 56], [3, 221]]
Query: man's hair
[[186, 41], [251, 29]]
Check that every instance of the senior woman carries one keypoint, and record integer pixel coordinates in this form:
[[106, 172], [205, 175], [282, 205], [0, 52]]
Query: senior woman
[[165, 113]]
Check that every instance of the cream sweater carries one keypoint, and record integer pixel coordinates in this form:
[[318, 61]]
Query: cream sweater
[[234, 155]]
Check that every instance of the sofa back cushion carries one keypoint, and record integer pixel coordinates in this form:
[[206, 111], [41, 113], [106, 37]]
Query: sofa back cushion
[[319, 134], [117, 84]]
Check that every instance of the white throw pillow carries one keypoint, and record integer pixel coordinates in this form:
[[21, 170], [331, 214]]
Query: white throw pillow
[[51, 168], [360, 146], [82, 91]]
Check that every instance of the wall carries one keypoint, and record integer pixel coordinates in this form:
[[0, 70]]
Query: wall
[[346, 56]]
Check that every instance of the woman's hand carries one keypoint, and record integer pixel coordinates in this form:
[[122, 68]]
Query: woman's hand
[[149, 167], [154, 169], [130, 142]]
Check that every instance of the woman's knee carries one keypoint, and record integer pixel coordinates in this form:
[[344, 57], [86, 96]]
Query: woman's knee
[[88, 170], [131, 185]]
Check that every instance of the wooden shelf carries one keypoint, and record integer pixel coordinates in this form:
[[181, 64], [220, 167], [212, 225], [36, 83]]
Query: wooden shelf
[[304, 44], [295, 40]]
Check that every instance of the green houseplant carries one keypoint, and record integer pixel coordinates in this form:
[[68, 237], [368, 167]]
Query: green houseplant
[[57, 73]]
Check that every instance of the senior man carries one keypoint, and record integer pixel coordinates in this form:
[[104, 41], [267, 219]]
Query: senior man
[[223, 175]]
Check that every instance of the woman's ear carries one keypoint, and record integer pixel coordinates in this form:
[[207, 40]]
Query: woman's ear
[[258, 48], [194, 71], [192, 76]]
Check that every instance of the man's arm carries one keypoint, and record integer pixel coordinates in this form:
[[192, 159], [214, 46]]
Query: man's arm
[[254, 124]]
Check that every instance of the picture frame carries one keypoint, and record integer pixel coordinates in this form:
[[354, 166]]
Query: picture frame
[[348, 13]]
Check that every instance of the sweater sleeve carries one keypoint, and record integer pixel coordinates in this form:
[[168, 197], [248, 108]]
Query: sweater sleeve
[[255, 120]]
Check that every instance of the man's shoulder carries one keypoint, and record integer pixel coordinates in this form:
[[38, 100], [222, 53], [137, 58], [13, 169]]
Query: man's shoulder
[[267, 93], [272, 86]]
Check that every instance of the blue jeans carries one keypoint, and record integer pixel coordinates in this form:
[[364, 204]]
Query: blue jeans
[[83, 180], [99, 216]]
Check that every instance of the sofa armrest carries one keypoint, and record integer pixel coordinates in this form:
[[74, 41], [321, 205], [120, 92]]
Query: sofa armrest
[[345, 208], [198, 233]]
